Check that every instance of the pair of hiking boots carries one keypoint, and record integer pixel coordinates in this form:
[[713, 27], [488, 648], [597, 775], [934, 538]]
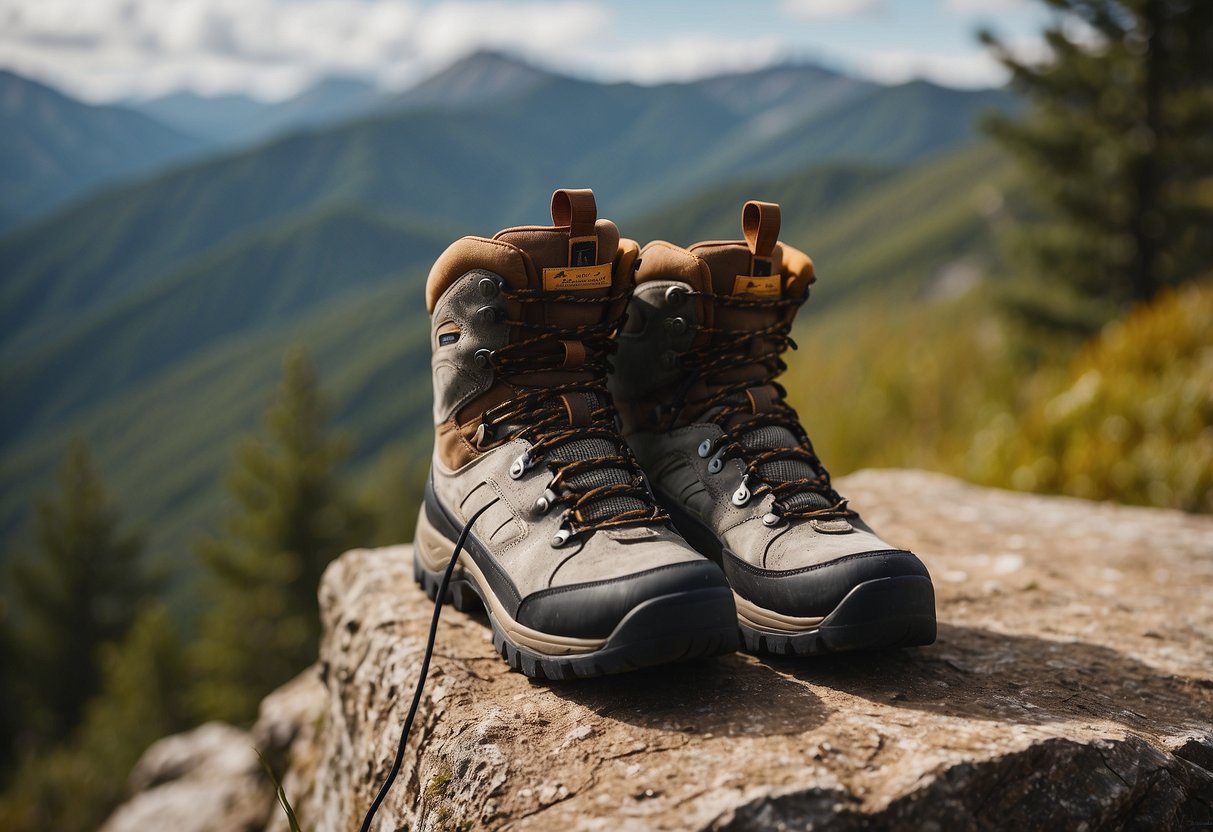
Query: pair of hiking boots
[[639, 491]]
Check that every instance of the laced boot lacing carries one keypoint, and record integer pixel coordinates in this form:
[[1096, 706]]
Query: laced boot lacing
[[593, 471], [728, 406]]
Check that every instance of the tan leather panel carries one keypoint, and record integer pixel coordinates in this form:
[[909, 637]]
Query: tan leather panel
[[469, 415], [798, 267], [451, 446], [625, 273], [548, 247], [660, 260], [469, 253]]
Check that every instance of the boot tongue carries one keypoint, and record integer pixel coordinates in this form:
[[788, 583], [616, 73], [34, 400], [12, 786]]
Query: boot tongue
[[750, 269], [754, 269], [576, 256], [730, 264]]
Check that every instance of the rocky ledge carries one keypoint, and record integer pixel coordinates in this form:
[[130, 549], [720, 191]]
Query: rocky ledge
[[1071, 688]]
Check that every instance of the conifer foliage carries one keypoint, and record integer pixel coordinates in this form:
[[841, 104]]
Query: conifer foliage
[[1118, 150], [92, 667], [81, 588], [74, 786], [292, 517]]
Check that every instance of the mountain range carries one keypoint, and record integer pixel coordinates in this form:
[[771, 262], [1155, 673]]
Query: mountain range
[[230, 120], [151, 317], [53, 148]]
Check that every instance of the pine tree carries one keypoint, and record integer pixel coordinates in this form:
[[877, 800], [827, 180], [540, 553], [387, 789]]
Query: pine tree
[[293, 518], [80, 589], [73, 787], [1117, 149]]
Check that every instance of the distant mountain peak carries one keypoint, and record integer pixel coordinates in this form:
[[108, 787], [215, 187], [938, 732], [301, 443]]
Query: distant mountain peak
[[18, 91], [481, 76], [495, 59]]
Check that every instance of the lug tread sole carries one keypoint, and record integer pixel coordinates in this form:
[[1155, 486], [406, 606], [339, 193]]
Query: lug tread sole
[[662, 630]]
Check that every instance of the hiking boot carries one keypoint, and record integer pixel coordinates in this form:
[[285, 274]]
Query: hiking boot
[[728, 458], [578, 568]]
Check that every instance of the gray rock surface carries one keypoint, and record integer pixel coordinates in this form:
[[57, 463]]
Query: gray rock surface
[[1071, 688], [208, 778]]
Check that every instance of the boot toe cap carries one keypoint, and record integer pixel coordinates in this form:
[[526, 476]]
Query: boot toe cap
[[817, 589], [595, 609]]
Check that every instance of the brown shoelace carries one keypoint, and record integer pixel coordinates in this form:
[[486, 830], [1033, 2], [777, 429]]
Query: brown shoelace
[[545, 421], [728, 406]]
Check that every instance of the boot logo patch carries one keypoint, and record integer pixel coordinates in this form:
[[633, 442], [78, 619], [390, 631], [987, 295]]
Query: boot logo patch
[[759, 286], [448, 333], [575, 278]]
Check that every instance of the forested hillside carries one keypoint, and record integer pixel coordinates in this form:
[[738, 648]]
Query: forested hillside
[[128, 315]]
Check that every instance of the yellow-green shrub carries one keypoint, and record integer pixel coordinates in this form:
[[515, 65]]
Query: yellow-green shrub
[[1131, 420]]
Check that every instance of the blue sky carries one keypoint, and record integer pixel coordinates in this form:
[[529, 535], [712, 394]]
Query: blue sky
[[113, 49]]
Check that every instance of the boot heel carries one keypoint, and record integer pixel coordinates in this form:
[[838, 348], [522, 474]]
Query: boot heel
[[431, 552]]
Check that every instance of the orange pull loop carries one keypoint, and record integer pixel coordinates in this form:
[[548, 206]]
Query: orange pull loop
[[760, 224], [576, 208]]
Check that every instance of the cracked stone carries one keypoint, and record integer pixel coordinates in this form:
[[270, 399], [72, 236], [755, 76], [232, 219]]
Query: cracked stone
[[1060, 707]]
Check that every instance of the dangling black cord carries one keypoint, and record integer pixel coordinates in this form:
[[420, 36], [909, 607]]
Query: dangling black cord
[[425, 669]]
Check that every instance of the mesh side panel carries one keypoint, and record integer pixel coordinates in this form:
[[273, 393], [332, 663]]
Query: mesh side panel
[[578, 449], [768, 437], [575, 450]]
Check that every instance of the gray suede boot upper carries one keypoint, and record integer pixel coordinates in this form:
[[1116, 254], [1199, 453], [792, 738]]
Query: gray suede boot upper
[[696, 385], [579, 569]]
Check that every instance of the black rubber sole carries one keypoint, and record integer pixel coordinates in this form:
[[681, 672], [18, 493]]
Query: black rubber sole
[[670, 628], [887, 612]]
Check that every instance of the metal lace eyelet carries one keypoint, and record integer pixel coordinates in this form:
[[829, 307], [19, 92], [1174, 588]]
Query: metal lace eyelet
[[742, 495], [545, 501], [716, 463], [521, 465], [483, 358], [488, 315], [561, 537], [771, 519], [489, 287], [675, 326], [705, 448], [675, 295]]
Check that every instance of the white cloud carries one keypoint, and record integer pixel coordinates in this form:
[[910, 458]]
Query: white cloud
[[104, 49], [817, 9], [969, 69], [109, 49], [684, 57]]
